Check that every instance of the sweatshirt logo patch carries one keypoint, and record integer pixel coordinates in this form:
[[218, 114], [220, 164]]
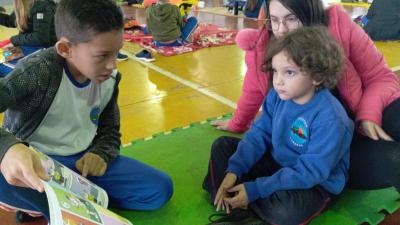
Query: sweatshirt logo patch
[[299, 132], [94, 115]]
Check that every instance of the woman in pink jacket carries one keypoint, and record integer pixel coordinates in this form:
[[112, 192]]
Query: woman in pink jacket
[[368, 89]]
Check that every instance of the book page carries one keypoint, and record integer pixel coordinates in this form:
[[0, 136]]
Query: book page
[[64, 178], [68, 209]]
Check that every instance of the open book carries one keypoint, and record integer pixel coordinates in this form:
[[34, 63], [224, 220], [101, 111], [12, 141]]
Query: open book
[[74, 199], [10, 53]]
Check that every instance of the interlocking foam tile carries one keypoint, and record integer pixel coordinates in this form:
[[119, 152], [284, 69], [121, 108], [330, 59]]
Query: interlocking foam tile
[[183, 153]]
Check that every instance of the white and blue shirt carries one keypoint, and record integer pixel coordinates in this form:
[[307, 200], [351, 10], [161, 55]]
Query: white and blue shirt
[[81, 105]]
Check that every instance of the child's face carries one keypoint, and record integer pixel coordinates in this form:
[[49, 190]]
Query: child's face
[[96, 59], [290, 82]]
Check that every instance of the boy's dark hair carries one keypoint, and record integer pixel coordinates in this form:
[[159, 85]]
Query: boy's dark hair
[[313, 50], [79, 20], [309, 12]]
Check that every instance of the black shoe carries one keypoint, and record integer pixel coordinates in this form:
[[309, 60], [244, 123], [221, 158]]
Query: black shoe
[[236, 217], [21, 217]]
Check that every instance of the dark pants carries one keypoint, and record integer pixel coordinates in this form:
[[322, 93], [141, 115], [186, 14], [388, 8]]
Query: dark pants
[[282, 207], [376, 164]]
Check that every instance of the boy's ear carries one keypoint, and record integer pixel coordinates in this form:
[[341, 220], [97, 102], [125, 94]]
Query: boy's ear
[[63, 47]]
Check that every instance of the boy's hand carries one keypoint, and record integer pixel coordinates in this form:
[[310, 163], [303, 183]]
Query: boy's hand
[[21, 167], [240, 198], [227, 183], [91, 164]]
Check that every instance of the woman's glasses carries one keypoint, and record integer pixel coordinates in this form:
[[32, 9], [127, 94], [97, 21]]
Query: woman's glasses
[[291, 22]]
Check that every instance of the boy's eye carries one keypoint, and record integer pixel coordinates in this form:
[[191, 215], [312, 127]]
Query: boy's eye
[[290, 73], [101, 57]]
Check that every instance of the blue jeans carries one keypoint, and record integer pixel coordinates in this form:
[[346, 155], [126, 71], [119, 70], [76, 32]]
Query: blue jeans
[[186, 32], [129, 184]]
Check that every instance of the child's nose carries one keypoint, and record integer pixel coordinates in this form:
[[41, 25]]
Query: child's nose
[[112, 64]]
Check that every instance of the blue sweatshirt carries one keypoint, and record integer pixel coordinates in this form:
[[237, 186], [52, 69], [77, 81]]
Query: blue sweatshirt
[[311, 142]]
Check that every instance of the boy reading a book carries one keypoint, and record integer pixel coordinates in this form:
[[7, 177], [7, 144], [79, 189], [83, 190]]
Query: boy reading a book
[[63, 102]]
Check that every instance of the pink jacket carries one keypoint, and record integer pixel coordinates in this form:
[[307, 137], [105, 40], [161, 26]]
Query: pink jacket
[[367, 85]]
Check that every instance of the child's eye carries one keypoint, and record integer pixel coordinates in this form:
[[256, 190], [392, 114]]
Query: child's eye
[[290, 73], [101, 57]]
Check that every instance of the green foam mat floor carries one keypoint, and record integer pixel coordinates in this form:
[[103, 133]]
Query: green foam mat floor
[[183, 153]]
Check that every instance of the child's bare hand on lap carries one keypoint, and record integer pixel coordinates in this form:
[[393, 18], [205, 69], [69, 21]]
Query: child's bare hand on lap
[[227, 183], [91, 164]]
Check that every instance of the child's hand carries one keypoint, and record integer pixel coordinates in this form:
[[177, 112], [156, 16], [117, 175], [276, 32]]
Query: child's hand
[[91, 164], [21, 167], [220, 124], [227, 183], [240, 199]]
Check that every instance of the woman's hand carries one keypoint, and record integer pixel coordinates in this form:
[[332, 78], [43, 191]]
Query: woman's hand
[[221, 124], [227, 183], [374, 131]]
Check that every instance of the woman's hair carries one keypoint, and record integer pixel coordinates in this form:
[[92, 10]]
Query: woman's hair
[[22, 10], [313, 50], [309, 12]]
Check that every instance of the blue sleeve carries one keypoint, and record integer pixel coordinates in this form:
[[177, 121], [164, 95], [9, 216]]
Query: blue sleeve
[[329, 143], [255, 142]]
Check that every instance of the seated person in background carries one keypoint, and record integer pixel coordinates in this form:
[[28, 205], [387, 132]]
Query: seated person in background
[[35, 22], [383, 20], [252, 8], [167, 26]]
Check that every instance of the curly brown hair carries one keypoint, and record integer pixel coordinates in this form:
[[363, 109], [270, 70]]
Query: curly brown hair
[[313, 50]]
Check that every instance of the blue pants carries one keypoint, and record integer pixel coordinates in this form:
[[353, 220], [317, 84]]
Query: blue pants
[[129, 184], [186, 32]]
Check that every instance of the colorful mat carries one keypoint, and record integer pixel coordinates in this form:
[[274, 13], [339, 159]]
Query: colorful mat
[[183, 153], [206, 35]]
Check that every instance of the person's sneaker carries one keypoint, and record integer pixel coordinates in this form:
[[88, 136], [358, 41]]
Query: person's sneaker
[[121, 57], [236, 217], [145, 56], [22, 217]]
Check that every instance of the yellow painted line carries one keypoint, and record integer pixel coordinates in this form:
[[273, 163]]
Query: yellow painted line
[[179, 79]]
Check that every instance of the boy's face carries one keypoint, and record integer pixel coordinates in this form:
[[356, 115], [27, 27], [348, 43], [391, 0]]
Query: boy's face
[[290, 82], [96, 59]]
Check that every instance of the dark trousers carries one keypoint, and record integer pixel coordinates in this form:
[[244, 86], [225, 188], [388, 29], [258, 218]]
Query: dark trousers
[[282, 207], [376, 164]]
